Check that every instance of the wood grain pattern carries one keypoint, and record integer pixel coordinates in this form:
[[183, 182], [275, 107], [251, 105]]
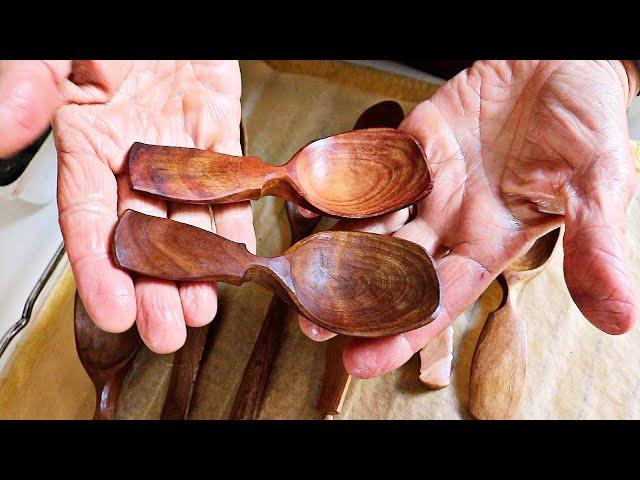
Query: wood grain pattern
[[186, 360], [356, 174], [498, 367], [106, 357], [353, 283]]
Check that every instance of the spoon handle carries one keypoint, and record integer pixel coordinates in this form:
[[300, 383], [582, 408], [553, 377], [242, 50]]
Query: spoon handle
[[336, 378], [201, 176], [163, 248], [499, 364], [107, 394]]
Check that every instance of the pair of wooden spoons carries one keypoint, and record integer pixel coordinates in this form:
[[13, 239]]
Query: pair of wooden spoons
[[356, 284], [498, 367]]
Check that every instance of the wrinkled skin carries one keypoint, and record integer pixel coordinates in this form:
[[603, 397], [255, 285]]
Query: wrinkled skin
[[517, 148], [100, 110]]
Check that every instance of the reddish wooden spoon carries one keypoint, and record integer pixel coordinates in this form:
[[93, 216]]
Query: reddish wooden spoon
[[353, 283], [362, 173]]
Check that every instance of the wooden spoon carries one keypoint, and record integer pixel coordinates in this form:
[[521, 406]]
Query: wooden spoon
[[353, 283], [186, 360], [106, 357], [498, 367], [357, 174]]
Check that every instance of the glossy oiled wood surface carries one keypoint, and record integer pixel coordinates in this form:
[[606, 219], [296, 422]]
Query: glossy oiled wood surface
[[361, 173], [499, 364], [358, 284], [106, 357]]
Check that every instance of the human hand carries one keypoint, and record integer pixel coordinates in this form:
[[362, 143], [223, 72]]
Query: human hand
[[517, 148], [107, 107]]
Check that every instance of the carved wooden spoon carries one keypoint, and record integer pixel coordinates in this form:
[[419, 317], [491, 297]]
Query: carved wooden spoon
[[353, 283], [498, 368], [106, 357], [357, 174]]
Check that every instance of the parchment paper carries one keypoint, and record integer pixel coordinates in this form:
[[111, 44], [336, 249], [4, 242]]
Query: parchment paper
[[573, 370]]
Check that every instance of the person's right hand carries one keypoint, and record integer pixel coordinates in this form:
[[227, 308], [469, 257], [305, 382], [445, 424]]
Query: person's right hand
[[516, 148], [107, 107]]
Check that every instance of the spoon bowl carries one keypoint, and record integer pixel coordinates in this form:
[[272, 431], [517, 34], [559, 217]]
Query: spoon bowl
[[538, 255], [353, 283], [106, 357], [357, 174], [362, 173]]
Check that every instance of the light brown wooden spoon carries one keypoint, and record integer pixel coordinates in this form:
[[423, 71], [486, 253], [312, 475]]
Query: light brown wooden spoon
[[357, 174], [498, 367], [353, 283], [106, 357]]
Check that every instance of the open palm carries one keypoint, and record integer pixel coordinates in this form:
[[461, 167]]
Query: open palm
[[107, 108], [517, 148]]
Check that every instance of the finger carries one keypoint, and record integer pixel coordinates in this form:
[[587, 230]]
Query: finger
[[159, 310], [219, 131], [87, 203], [235, 220], [313, 331], [29, 95], [384, 225], [595, 263], [199, 299], [95, 81], [307, 213]]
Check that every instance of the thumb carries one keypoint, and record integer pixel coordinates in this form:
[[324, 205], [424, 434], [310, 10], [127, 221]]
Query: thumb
[[595, 263], [29, 94]]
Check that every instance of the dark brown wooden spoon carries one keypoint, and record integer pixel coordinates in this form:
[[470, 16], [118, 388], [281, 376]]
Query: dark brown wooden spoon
[[106, 357], [353, 283], [357, 174], [498, 367], [186, 361]]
